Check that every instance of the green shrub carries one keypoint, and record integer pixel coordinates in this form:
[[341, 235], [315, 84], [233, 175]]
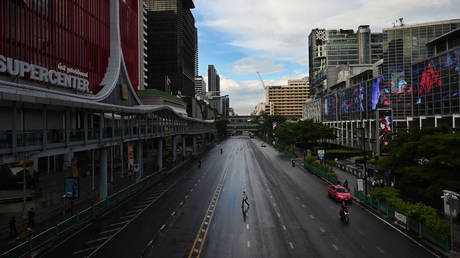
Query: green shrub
[[418, 211], [312, 161]]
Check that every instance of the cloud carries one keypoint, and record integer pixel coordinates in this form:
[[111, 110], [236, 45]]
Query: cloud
[[245, 95], [250, 64]]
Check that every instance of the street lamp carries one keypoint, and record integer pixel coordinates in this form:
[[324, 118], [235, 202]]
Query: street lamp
[[450, 197]]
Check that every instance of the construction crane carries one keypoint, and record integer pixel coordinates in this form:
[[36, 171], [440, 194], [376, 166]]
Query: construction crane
[[263, 84]]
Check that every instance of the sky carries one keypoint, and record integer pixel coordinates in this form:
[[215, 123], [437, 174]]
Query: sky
[[242, 37]]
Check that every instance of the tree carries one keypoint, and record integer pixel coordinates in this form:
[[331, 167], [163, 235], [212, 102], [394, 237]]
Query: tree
[[425, 162], [221, 126]]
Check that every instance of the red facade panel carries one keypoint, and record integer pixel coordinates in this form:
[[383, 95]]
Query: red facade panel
[[130, 38], [58, 33]]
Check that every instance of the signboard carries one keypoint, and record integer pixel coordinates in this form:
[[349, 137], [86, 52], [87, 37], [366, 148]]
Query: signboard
[[130, 156], [66, 77], [124, 91], [385, 129], [72, 187], [136, 167], [400, 217], [321, 154], [360, 183]]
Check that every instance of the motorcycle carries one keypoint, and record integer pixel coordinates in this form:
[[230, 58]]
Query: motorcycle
[[345, 215]]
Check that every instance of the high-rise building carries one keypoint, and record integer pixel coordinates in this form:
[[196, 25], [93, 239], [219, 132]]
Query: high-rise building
[[172, 46], [287, 100], [213, 81], [200, 86], [328, 49], [404, 45]]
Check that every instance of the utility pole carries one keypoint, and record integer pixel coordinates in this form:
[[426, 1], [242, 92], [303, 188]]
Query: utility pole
[[450, 197]]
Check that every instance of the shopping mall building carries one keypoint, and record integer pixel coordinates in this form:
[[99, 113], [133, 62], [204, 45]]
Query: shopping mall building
[[69, 76], [415, 85]]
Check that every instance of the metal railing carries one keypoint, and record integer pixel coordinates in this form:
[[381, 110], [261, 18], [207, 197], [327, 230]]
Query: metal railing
[[46, 236], [411, 225]]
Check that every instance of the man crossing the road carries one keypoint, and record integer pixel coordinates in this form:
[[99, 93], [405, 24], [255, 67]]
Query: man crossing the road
[[244, 200]]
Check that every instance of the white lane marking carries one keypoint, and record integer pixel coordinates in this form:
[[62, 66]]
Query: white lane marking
[[322, 230], [162, 227], [271, 196], [297, 197], [84, 250], [109, 231], [150, 243], [181, 203], [134, 211], [96, 240], [119, 223], [284, 227], [335, 247], [173, 213], [247, 226], [380, 250], [279, 215], [312, 217], [128, 216], [249, 244], [304, 206], [274, 204], [402, 233], [186, 196], [292, 246]]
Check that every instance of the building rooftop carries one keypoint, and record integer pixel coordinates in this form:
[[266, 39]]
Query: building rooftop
[[422, 24], [451, 34]]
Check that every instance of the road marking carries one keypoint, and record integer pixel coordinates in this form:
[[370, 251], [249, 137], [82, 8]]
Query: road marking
[[150, 243], [312, 217], [96, 240], [322, 230], [279, 215], [274, 204], [292, 246], [84, 250], [247, 226], [128, 216], [402, 233], [119, 223], [109, 231], [173, 213], [249, 244], [134, 211], [284, 227], [181, 203], [297, 197], [380, 250], [186, 196], [304, 206], [162, 227], [335, 247]]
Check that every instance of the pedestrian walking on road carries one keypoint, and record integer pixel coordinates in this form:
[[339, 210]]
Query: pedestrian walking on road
[[244, 200], [221, 151], [31, 218], [13, 231], [345, 184]]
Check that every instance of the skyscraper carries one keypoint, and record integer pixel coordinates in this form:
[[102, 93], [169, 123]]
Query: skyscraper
[[331, 48], [213, 81], [172, 45]]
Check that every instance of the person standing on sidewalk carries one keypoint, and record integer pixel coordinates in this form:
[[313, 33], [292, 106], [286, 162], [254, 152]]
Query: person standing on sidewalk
[[244, 200], [31, 218], [13, 231]]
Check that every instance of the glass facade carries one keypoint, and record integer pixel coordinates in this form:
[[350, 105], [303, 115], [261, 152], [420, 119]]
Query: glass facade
[[436, 85], [401, 48]]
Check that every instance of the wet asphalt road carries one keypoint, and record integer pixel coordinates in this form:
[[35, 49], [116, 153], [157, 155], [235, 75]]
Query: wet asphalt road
[[199, 213]]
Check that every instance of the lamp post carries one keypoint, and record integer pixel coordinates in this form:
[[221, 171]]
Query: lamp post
[[450, 197]]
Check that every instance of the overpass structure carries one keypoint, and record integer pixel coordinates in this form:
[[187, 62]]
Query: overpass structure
[[241, 123]]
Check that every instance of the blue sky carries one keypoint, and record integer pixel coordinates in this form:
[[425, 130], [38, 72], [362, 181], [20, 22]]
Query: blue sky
[[241, 37]]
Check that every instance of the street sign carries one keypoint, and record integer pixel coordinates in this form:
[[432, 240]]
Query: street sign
[[321, 154], [360, 184], [400, 217], [72, 187]]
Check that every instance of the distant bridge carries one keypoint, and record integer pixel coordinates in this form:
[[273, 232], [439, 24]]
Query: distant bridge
[[241, 123]]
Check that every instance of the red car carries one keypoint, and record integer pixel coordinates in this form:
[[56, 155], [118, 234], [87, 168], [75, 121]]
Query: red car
[[339, 193], [263, 145]]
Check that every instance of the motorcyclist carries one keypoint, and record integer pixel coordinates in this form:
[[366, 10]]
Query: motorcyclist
[[343, 208]]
